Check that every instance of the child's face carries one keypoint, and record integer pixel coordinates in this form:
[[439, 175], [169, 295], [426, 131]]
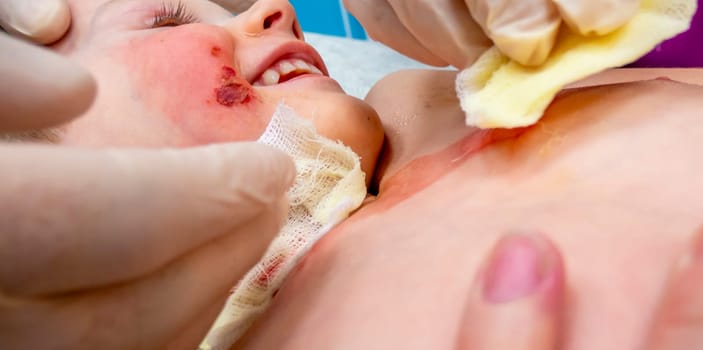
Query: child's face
[[185, 73]]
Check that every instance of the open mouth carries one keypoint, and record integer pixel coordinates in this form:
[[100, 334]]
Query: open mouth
[[286, 69]]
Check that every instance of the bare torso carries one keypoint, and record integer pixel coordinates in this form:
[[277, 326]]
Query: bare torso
[[611, 174]]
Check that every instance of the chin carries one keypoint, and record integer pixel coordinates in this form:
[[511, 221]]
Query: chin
[[340, 117], [356, 124]]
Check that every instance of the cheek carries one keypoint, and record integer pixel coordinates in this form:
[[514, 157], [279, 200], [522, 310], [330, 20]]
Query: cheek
[[186, 76]]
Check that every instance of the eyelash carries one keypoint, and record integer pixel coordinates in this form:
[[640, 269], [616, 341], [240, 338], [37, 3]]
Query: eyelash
[[173, 15]]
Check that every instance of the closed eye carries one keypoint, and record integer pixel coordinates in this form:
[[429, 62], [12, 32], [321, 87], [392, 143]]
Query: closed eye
[[172, 15]]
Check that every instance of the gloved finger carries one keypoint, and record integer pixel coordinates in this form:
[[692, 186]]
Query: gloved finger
[[382, 24], [517, 302], [41, 21], [235, 6], [195, 331], [596, 17], [445, 28], [147, 313], [40, 88], [74, 219], [679, 323], [524, 30]]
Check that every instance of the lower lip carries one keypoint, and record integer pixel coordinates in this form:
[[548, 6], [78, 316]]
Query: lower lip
[[310, 81]]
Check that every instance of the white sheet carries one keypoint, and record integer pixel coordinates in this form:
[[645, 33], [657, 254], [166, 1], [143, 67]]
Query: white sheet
[[358, 64]]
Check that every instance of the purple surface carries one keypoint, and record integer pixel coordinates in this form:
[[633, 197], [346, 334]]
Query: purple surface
[[684, 50]]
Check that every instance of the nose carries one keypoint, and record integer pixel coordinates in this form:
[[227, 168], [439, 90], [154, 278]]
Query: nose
[[269, 16]]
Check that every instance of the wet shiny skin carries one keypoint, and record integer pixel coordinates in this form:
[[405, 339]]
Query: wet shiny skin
[[610, 175]]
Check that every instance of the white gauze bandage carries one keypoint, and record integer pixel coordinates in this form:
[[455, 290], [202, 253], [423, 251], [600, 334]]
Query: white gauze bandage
[[329, 185]]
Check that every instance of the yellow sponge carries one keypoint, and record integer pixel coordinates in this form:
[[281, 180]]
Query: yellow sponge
[[496, 92]]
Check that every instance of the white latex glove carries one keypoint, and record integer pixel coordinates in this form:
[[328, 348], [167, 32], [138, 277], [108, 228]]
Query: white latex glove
[[45, 90], [117, 249], [525, 30], [441, 32], [41, 21], [130, 249]]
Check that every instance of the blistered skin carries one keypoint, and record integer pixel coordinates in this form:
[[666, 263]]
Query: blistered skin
[[188, 73], [234, 90]]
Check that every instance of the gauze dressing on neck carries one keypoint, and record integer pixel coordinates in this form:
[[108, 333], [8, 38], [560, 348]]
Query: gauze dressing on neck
[[496, 92], [329, 185]]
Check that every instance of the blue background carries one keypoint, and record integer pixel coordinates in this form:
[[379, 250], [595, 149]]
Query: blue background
[[327, 17]]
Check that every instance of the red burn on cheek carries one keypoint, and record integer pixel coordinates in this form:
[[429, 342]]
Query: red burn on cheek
[[232, 93], [234, 90], [228, 73], [215, 51]]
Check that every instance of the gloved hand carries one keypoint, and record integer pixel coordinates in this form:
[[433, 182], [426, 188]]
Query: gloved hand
[[521, 291], [120, 249], [525, 30], [130, 249], [40, 88], [441, 32], [41, 21]]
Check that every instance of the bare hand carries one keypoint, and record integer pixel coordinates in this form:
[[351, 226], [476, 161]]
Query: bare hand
[[518, 301]]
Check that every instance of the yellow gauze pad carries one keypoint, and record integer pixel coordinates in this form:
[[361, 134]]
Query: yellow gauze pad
[[496, 92]]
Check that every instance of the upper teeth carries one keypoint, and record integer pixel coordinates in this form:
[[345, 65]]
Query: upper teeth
[[286, 66]]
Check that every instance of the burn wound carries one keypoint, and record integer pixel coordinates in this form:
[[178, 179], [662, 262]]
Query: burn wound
[[233, 89]]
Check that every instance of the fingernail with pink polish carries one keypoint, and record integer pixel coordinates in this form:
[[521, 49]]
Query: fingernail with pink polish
[[518, 267]]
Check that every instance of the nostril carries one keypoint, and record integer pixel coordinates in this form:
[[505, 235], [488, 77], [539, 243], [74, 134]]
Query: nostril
[[296, 30], [268, 22]]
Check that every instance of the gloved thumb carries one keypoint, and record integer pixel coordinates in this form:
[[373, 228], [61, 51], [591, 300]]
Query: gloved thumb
[[523, 30], [42, 21], [40, 88], [114, 205], [596, 17]]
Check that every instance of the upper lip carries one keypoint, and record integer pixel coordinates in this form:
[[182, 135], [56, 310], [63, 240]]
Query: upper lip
[[290, 50]]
